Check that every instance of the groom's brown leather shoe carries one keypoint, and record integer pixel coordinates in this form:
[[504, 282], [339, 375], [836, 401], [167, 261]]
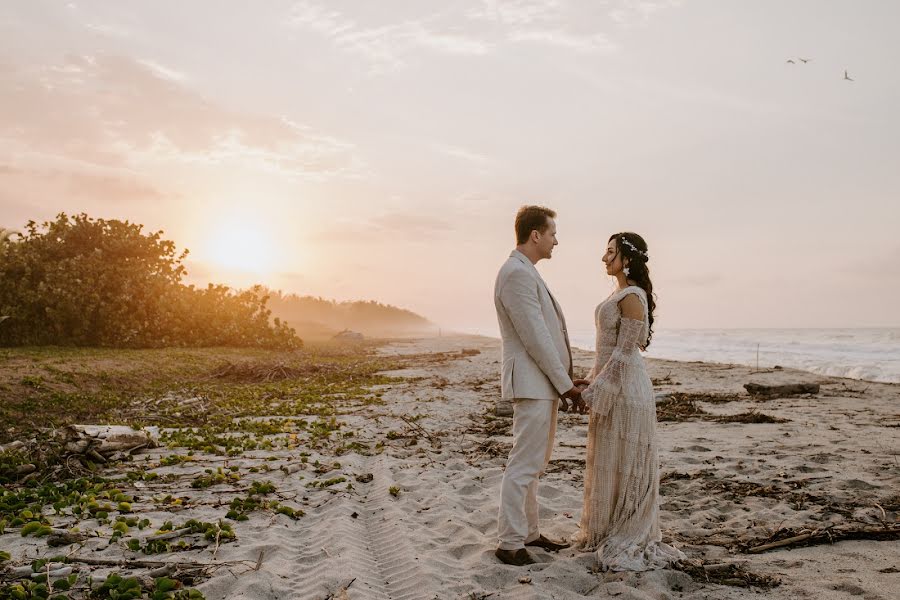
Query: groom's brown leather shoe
[[548, 545], [517, 558]]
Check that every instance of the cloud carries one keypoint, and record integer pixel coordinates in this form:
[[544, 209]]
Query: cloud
[[517, 12], [596, 42], [26, 192], [82, 185], [402, 222], [399, 225], [584, 27], [571, 26], [395, 45], [631, 13], [463, 154], [388, 46], [162, 71], [115, 111], [109, 30], [468, 30]]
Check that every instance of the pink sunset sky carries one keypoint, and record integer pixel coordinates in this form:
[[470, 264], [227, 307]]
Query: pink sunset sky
[[379, 150]]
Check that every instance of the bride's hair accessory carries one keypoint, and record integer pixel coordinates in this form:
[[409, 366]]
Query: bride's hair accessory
[[626, 271], [634, 248]]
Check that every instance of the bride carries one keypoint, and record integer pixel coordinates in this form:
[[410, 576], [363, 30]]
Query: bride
[[620, 520]]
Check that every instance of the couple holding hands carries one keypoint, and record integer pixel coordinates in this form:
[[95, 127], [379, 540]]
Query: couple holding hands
[[620, 517]]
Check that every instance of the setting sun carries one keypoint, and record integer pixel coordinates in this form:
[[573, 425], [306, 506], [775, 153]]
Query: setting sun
[[241, 247]]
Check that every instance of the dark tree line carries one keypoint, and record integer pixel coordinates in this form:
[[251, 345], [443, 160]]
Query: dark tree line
[[309, 314]]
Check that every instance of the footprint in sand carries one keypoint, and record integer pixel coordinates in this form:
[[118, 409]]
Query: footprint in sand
[[808, 469], [465, 550], [858, 484], [850, 588], [470, 489], [824, 457]]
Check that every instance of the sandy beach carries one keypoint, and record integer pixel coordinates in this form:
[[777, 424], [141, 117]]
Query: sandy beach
[[414, 515]]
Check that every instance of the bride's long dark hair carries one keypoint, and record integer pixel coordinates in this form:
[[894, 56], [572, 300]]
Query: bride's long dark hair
[[633, 247]]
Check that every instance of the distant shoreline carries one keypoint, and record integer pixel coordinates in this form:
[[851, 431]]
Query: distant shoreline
[[657, 359]]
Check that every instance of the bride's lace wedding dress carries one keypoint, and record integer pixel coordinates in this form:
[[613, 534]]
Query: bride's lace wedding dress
[[620, 520]]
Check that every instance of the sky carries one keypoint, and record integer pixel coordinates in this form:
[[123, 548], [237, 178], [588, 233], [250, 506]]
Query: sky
[[380, 150]]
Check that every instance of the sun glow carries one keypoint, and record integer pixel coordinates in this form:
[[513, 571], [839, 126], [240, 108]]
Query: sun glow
[[241, 247]]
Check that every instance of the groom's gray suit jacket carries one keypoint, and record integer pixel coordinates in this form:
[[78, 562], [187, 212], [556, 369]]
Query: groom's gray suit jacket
[[537, 358]]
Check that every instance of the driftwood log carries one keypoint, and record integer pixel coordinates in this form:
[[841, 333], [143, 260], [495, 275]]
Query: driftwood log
[[829, 535], [101, 443], [790, 389], [12, 447], [62, 537]]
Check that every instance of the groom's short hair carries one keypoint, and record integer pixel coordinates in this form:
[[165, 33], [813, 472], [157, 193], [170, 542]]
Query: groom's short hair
[[530, 218]]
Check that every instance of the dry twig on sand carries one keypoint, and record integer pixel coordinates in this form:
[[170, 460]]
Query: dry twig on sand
[[341, 593], [683, 407], [678, 407], [412, 424], [146, 564], [824, 535], [733, 574]]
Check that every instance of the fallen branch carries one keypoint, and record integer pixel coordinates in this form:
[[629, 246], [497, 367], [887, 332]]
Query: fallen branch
[[145, 564], [789, 389], [829, 535], [64, 538], [797, 539], [169, 534], [415, 425]]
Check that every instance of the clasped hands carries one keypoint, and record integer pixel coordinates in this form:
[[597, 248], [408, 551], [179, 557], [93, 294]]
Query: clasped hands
[[578, 403]]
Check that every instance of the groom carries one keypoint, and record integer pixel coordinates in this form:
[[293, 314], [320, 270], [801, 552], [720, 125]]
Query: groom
[[536, 374]]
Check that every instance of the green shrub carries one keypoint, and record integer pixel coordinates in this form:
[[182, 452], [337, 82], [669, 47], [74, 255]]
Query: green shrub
[[92, 282]]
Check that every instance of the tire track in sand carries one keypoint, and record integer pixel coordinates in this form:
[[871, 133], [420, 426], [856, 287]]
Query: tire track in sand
[[373, 549]]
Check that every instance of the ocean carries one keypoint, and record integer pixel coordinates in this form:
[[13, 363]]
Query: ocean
[[867, 354]]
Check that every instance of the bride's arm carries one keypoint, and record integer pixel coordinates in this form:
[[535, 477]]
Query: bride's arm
[[607, 381]]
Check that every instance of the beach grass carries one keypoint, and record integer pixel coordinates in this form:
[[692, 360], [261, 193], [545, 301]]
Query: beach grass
[[49, 387]]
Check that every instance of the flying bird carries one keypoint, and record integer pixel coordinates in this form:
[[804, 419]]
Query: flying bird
[[791, 60], [847, 77], [805, 60]]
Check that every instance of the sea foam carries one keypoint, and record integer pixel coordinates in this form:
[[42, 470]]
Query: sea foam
[[868, 354]]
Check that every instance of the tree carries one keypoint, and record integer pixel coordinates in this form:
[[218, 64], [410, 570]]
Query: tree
[[95, 282]]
